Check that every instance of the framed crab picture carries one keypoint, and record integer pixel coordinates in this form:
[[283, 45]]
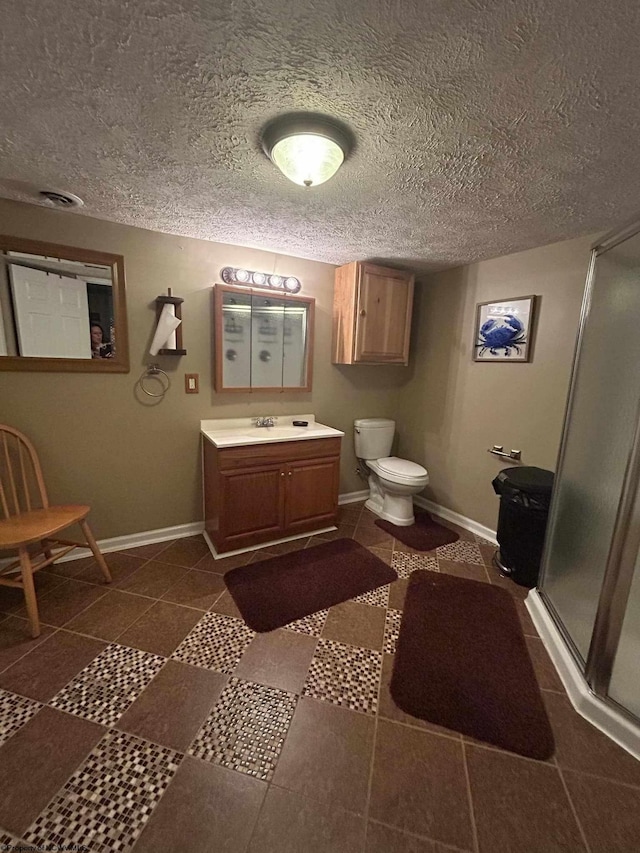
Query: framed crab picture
[[504, 330]]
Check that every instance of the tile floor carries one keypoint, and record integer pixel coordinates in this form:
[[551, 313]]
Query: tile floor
[[148, 716]]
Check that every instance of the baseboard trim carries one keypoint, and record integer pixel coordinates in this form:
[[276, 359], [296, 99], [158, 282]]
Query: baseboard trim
[[353, 497], [455, 518], [603, 716]]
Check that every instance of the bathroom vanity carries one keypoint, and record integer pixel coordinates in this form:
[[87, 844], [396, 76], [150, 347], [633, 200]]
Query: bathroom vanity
[[266, 484]]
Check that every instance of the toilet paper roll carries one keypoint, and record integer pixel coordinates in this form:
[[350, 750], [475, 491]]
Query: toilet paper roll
[[165, 335]]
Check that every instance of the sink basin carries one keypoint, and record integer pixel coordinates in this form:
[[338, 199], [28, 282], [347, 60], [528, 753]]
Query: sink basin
[[275, 432]]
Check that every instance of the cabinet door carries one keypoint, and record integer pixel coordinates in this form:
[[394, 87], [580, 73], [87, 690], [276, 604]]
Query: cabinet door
[[311, 493], [252, 502], [383, 315]]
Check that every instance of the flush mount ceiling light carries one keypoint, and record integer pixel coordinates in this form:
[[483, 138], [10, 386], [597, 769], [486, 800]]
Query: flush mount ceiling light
[[307, 148]]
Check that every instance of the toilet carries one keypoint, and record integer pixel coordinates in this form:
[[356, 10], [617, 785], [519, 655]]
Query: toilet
[[392, 481]]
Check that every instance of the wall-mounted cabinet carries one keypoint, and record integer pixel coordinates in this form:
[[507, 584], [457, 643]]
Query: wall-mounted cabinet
[[258, 493], [263, 341], [372, 308]]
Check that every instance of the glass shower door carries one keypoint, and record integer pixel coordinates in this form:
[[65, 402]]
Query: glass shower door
[[596, 444]]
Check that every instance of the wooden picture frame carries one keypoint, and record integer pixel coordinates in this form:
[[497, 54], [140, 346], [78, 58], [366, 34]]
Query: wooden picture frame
[[504, 330]]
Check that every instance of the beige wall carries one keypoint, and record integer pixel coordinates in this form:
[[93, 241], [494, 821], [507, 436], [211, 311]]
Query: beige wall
[[138, 465], [453, 408]]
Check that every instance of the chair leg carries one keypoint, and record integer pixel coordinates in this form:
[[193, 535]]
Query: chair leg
[[91, 542], [29, 592]]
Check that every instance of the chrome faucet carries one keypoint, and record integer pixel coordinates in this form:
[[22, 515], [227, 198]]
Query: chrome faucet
[[265, 421]]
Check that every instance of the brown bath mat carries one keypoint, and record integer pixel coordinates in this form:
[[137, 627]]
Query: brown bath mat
[[274, 592], [462, 662], [424, 535]]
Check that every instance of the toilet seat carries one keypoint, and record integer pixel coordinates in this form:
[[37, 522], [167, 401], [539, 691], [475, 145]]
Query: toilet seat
[[399, 470]]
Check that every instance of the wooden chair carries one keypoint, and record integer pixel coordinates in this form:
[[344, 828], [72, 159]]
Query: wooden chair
[[30, 524]]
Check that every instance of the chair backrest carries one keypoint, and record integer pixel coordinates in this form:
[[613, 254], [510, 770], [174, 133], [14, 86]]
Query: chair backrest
[[21, 483]]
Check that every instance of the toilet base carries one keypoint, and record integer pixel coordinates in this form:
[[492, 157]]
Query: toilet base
[[398, 509]]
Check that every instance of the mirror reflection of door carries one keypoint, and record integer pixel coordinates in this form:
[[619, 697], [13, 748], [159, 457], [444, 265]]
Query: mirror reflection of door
[[56, 308]]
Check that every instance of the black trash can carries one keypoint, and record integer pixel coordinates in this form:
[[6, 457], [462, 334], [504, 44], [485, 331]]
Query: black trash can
[[525, 495]]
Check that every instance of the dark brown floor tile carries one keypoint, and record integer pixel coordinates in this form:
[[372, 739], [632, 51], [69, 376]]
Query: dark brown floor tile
[[525, 619], [153, 579], [38, 760], [608, 813], [383, 554], [147, 552], [580, 746], [278, 659], [171, 709], [370, 535], [327, 755], [223, 565], [289, 547], [548, 678], [290, 824], [343, 531], [65, 601], [397, 593], [45, 670], [206, 809], [196, 589], [184, 552], [419, 783], [161, 629], [383, 839], [349, 514], [110, 615], [520, 805], [390, 711], [16, 640], [120, 565], [262, 554], [356, 624], [488, 553], [227, 606], [70, 568], [471, 571], [511, 586], [12, 599]]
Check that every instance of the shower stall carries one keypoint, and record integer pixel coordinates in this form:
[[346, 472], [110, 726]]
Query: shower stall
[[587, 604]]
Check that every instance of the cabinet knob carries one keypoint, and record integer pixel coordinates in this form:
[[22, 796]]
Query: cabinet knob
[[282, 475], [363, 313], [291, 473]]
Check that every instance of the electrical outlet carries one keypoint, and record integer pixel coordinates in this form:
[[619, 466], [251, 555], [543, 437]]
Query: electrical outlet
[[191, 384]]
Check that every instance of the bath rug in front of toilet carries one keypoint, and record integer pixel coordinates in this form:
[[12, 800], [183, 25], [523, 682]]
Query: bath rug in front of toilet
[[462, 662], [280, 590], [424, 535]]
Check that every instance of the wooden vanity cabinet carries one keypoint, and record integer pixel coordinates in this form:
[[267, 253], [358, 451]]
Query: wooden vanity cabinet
[[372, 309], [261, 492]]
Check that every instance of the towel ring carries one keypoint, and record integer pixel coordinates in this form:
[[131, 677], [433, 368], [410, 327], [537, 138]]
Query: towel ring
[[153, 371]]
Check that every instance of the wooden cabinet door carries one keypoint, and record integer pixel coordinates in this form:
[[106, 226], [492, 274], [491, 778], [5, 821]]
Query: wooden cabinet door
[[252, 501], [383, 315], [311, 493]]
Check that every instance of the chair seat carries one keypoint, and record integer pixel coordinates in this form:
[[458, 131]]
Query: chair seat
[[39, 524]]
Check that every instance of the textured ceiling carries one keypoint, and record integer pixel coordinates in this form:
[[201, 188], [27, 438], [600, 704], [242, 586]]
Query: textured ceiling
[[482, 127]]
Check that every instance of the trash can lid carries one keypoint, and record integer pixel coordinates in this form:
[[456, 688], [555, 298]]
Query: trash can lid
[[529, 480]]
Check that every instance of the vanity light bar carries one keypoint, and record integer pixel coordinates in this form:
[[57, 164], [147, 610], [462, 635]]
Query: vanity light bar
[[236, 275]]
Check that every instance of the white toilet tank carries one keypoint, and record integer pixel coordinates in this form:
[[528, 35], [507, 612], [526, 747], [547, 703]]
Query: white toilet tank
[[373, 437]]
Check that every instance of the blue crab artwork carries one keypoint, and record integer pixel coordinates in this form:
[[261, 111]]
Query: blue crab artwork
[[501, 333]]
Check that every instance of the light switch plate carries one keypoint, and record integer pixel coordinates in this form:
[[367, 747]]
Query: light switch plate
[[191, 383]]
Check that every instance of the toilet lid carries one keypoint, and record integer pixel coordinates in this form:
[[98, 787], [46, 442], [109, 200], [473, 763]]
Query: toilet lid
[[401, 467]]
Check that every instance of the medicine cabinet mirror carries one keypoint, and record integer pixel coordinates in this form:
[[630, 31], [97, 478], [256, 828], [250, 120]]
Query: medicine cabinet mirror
[[263, 341], [61, 308]]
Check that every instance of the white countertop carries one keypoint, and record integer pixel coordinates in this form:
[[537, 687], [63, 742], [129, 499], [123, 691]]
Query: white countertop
[[235, 432]]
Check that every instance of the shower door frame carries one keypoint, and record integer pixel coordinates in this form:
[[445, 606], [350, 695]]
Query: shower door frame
[[625, 540]]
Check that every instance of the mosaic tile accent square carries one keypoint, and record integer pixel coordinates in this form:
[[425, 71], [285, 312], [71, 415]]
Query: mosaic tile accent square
[[15, 711], [311, 625], [108, 800], [246, 729], [105, 688], [377, 597], [461, 552], [391, 630], [345, 676], [217, 642], [404, 563]]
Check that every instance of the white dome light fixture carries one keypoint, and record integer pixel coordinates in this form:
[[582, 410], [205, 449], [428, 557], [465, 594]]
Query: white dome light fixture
[[307, 148]]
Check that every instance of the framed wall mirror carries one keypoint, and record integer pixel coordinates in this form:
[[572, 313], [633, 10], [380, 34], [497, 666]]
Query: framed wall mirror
[[263, 340], [61, 308]]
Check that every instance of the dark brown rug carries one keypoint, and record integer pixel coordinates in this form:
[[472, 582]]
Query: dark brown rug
[[425, 535], [274, 592], [462, 662]]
